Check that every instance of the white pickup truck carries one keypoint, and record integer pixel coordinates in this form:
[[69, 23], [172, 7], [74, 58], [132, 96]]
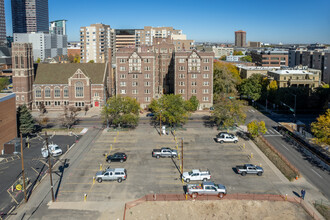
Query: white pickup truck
[[196, 175], [53, 149], [206, 188]]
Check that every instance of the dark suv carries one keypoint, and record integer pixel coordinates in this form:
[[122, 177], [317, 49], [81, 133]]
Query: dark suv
[[117, 157]]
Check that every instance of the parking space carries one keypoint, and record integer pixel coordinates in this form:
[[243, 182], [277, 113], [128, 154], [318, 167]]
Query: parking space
[[146, 174]]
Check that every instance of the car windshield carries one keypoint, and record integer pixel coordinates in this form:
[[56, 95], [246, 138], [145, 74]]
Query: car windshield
[[190, 173], [56, 148]]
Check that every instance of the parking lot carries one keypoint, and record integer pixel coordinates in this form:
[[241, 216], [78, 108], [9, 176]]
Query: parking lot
[[150, 175]]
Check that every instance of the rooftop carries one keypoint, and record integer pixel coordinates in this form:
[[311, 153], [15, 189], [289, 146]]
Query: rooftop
[[6, 96], [292, 72]]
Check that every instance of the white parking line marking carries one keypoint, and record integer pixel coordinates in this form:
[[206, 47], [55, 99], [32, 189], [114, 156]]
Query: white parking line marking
[[271, 131], [272, 135], [316, 173], [285, 147]]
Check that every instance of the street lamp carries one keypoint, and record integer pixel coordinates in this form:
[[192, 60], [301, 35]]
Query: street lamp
[[295, 105]]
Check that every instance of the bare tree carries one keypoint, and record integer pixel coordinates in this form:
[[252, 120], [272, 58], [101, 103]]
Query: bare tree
[[69, 117], [42, 108]]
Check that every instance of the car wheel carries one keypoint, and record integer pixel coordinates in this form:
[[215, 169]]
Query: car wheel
[[243, 173], [99, 180], [157, 156], [220, 195], [204, 179], [119, 180], [187, 180], [109, 161], [235, 142], [259, 174], [121, 160], [174, 156], [221, 142]]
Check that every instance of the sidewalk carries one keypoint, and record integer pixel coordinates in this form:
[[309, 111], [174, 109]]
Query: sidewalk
[[91, 113]]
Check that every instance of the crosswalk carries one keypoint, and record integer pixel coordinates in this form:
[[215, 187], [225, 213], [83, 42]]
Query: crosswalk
[[272, 132], [252, 110]]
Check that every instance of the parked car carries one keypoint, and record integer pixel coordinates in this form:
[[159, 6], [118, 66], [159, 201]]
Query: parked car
[[53, 149], [116, 174], [164, 152], [117, 157], [206, 188], [249, 169], [196, 175], [226, 137], [150, 114]]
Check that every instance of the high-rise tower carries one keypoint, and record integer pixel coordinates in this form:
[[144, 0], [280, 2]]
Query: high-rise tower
[[2, 23], [240, 38], [30, 16], [23, 70]]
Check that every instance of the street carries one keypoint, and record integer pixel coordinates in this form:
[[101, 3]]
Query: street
[[316, 176]]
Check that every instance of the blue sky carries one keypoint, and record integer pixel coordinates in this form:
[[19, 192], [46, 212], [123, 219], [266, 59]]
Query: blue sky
[[286, 21]]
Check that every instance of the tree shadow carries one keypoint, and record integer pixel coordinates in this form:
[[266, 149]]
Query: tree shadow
[[208, 123]]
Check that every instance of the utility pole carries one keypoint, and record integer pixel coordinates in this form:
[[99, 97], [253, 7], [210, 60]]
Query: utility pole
[[50, 169], [182, 155], [23, 172], [160, 123]]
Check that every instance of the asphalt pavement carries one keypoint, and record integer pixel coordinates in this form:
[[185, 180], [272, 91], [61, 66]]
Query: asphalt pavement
[[313, 174]]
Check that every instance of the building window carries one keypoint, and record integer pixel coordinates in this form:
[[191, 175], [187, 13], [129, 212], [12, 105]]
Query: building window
[[66, 92], [48, 103], [206, 83], [122, 83], [134, 83], [122, 60], [122, 91], [205, 98], [194, 76], [181, 91], [147, 76], [181, 60], [122, 76], [79, 89], [23, 98], [79, 104], [206, 68], [66, 102], [181, 83], [194, 83], [194, 91], [57, 103], [147, 99], [147, 83], [206, 60], [122, 68], [147, 68], [38, 92], [47, 92], [205, 91], [147, 60], [57, 92], [205, 76], [182, 76], [135, 76], [134, 91], [147, 91], [96, 94], [182, 68]]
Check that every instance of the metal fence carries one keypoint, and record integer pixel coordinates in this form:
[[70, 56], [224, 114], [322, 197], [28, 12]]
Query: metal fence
[[237, 196]]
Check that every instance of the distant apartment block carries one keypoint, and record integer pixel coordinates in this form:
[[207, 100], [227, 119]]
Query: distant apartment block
[[30, 16], [222, 51], [248, 71], [271, 58], [296, 78], [58, 27], [193, 76], [95, 42], [232, 58], [125, 38], [2, 23], [145, 36], [240, 38], [44, 45], [316, 59], [181, 43], [254, 44]]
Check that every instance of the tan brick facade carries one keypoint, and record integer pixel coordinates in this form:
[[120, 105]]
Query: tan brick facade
[[8, 124]]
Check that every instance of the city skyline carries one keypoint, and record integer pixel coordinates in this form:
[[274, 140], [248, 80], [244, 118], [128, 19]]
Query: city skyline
[[214, 22]]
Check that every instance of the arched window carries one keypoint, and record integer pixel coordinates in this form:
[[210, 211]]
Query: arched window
[[47, 92], [66, 92], [79, 89], [38, 92], [57, 92]]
